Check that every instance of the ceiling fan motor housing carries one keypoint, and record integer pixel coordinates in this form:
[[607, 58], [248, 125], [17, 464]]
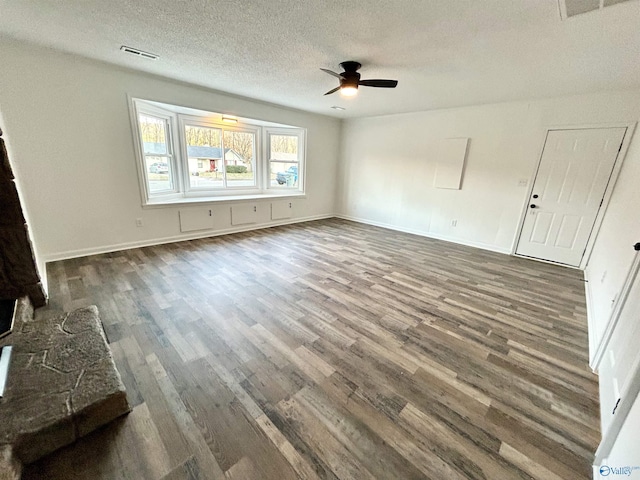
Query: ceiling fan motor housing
[[350, 77], [351, 66]]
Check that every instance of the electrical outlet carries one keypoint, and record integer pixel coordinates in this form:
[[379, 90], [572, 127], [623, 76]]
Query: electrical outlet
[[139, 222], [454, 223]]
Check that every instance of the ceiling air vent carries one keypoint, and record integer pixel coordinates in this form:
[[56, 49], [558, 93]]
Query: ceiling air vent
[[139, 53], [571, 8]]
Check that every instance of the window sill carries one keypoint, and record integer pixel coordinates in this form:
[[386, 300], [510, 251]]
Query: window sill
[[166, 202]]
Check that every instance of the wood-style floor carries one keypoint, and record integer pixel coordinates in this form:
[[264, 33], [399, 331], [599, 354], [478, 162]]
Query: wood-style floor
[[332, 350]]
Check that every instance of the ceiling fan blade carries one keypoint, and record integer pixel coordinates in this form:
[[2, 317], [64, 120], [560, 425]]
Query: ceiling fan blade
[[331, 73], [332, 91], [379, 83]]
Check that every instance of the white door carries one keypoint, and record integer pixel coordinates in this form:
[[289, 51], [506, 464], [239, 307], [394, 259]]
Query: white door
[[619, 369], [567, 193], [616, 368]]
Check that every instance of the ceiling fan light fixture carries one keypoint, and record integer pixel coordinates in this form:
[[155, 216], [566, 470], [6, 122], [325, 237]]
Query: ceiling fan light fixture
[[350, 80], [349, 90]]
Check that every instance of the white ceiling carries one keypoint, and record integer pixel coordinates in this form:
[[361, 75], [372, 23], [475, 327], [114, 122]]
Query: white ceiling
[[444, 53]]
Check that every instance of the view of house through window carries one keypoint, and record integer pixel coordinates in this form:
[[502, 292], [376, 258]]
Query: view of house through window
[[204, 152], [209, 168], [239, 156], [283, 160], [189, 153], [154, 133]]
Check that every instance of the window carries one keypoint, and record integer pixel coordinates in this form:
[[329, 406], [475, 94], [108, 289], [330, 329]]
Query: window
[[186, 153], [204, 146], [284, 158], [156, 150], [239, 158]]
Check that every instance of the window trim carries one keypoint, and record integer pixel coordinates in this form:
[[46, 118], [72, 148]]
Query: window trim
[[300, 134], [182, 192], [169, 118]]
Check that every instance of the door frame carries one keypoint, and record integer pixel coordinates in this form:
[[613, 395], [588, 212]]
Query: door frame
[[615, 172]]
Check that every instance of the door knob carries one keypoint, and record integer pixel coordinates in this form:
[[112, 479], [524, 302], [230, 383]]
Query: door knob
[[533, 205]]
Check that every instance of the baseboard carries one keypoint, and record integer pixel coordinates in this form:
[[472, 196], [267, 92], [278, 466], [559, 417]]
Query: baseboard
[[83, 252], [483, 246]]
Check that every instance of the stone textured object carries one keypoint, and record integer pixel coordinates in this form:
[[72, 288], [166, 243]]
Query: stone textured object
[[5, 166], [63, 383], [10, 466], [18, 271]]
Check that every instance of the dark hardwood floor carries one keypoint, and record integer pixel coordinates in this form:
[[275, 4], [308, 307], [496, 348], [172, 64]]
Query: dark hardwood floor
[[332, 349]]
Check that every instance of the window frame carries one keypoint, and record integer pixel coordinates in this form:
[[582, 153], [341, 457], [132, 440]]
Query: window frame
[[169, 119], [300, 134], [177, 118]]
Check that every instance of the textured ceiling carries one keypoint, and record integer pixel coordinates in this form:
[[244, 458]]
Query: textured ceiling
[[444, 53]]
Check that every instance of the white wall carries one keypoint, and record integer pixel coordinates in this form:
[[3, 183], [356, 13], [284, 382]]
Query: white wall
[[613, 253], [626, 449], [612, 260], [388, 164], [68, 124]]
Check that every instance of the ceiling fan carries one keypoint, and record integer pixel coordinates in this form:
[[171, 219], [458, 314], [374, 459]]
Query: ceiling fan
[[350, 80]]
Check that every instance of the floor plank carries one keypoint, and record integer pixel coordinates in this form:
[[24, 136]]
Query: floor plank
[[334, 350]]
